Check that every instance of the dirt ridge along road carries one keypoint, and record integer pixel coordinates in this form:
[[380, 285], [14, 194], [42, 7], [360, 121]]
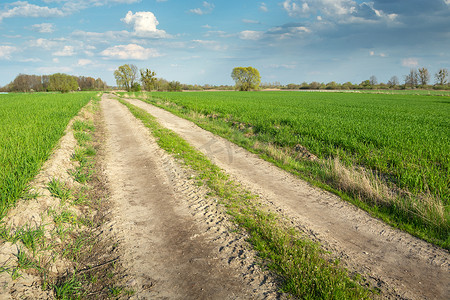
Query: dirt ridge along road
[[401, 265], [178, 243]]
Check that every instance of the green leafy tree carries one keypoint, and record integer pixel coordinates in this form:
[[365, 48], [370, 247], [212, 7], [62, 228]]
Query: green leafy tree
[[148, 79], [63, 83], [126, 76], [174, 86], [246, 78]]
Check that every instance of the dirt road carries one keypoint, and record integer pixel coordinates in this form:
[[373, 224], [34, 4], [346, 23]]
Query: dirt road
[[178, 243], [401, 265]]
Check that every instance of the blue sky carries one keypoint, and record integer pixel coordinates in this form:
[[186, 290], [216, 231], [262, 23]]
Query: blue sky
[[199, 42]]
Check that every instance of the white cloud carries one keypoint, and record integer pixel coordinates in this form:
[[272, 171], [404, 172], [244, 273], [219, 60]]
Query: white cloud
[[251, 35], [341, 11], [410, 62], [66, 51], [207, 26], [263, 7], [43, 43], [25, 9], [43, 28], [207, 8], [84, 62], [55, 60], [6, 51], [131, 51], [144, 24]]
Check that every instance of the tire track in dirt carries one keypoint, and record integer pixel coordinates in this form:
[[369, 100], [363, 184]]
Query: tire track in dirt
[[400, 265], [178, 243]]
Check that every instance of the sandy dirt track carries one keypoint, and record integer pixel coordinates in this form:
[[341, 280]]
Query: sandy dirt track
[[401, 265], [178, 243]]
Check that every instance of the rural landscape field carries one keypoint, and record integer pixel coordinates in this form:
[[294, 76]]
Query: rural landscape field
[[387, 154], [170, 149]]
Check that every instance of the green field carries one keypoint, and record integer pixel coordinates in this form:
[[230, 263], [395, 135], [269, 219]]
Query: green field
[[400, 143], [30, 127]]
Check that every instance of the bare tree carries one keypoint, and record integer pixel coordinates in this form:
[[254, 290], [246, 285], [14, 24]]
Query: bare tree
[[393, 82], [441, 76], [412, 79], [373, 80], [424, 76]]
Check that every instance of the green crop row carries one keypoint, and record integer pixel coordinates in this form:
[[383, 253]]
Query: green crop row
[[30, 127], [401, 140]]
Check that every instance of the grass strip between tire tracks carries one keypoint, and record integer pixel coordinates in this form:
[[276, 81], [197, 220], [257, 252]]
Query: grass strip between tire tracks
[[304, 269]]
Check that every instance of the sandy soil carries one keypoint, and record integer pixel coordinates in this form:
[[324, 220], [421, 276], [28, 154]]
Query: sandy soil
[[399, 264], [178, 242]]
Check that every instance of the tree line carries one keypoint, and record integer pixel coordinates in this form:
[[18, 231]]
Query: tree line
[[131, 79], [56, 82]]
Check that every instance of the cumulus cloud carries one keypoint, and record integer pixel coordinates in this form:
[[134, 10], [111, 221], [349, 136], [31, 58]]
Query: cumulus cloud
[[43, 28], [66, 51], [410, 62], [6, 51], [131, 51], [206, 9], [251, 35], [25, 9], [289, 30], [342, 11], [144, 24]]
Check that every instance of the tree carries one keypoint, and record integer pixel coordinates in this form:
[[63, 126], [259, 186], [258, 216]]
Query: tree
[[424, 76], [441, 76], [246, 78], [174, 86], [393, 82], [373, 80], [412, 79], [62, 83], [148, 79], [126, 76]]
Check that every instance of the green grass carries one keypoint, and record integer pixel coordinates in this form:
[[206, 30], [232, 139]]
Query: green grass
[[402, 143], [30, 127], [302, 267]]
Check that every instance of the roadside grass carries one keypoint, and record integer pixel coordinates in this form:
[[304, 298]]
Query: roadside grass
[[304, 270], [71, 234], [420, 213]]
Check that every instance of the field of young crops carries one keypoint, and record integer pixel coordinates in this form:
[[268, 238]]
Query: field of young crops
[[30, 127], [404, 139]]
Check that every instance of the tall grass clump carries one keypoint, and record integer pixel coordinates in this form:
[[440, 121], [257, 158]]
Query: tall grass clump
[[30, 127]]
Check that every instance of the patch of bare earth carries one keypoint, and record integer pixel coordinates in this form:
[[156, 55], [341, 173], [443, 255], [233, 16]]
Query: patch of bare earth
[[178, 243], [400, 265]]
